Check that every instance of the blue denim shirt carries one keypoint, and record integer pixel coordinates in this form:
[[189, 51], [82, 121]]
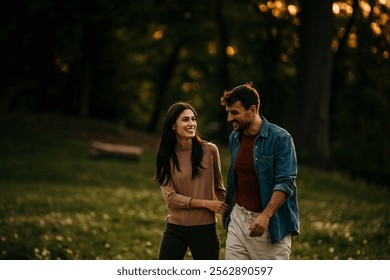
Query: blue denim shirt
[[276, 167]]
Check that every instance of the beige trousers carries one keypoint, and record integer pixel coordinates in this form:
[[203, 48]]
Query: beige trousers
[[240, 246]]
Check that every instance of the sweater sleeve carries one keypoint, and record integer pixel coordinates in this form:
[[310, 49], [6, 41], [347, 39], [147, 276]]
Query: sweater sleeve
[[174, 199]]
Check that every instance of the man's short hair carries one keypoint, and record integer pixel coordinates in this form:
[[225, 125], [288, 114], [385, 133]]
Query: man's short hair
[[244, 93]]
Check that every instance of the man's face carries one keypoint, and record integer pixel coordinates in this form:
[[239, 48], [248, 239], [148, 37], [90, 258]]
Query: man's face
[[238, 116]]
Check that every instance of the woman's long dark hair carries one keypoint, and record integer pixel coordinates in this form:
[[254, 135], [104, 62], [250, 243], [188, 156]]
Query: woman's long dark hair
[[166, 151]]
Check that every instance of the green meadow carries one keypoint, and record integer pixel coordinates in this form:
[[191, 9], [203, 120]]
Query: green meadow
[[57, 202]]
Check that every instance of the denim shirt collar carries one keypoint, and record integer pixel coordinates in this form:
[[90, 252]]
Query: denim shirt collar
[[263, 130]]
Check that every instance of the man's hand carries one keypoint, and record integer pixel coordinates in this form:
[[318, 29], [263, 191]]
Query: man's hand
[[259, 226]]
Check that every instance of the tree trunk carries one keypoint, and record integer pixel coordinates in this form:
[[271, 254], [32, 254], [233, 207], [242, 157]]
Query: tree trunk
[[88, 50], [223, 73], [314, 82], [166, 75]]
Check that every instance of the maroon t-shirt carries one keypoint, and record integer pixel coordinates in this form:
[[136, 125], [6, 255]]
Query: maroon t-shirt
[[248, 190]]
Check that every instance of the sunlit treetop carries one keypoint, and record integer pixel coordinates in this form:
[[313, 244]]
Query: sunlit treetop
[[376, 14], [159, 32], [278, 8]]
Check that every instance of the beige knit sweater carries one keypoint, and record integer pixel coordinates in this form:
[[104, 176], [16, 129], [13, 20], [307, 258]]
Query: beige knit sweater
[[179, 192]]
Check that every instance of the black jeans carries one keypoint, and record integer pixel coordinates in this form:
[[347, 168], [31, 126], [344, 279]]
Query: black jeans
[[202, 240]]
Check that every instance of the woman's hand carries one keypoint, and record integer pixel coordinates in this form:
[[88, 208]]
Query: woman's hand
[[213, 205], [217, 206]]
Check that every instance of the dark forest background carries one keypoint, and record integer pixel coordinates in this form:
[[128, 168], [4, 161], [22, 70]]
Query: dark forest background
[[321, 67]]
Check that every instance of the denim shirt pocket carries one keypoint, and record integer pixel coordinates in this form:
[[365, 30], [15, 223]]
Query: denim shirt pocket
[[265, 167]]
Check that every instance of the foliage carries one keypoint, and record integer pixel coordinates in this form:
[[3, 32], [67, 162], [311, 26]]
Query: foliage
[[58, 203], [360, 99], [117, 60]]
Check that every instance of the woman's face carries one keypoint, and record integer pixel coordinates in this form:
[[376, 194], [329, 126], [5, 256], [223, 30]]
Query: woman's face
[[185, 125]]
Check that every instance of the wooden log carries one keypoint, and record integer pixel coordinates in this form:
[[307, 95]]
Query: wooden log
[[100, 149]]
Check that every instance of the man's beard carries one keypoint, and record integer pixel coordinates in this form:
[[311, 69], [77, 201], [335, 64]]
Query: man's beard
[[240, 126]]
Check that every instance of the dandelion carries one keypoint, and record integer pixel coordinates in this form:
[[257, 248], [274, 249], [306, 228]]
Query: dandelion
[[150, 252], [143, 214], [68, 221], [59, 238], [69, 251], [348, 236], [306, 245], [41, 222], [46, 253], [130, 213]]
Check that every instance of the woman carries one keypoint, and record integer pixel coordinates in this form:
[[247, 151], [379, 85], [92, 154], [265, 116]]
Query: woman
[[189, 173]]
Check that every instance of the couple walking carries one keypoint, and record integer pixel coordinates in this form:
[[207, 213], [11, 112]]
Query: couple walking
[[259, 206]]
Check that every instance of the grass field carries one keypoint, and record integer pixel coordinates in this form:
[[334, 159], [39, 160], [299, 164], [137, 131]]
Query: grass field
[[56, 202]]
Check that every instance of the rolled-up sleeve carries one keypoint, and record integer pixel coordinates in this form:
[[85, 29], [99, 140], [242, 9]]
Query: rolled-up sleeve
[[285, 166]]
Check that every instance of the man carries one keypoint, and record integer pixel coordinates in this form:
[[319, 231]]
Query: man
[[261, 182]]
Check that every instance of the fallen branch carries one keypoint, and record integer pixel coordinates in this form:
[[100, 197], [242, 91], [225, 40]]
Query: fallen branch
[[100, 149]]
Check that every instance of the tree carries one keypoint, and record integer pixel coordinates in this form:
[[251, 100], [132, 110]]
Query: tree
[[314, 82], [127, 61]]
